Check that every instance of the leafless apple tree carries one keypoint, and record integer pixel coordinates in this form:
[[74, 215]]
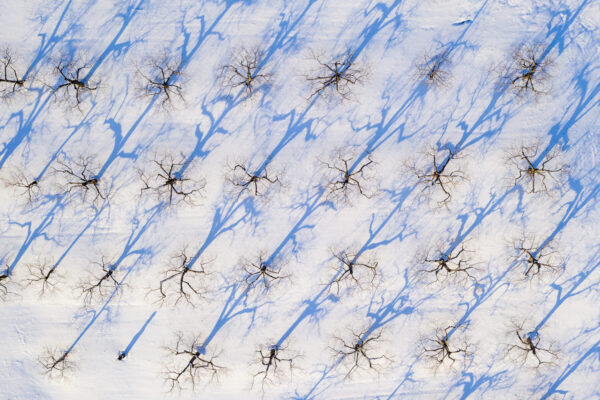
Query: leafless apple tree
[[43, 275], [160, 79], [440, 174], [11, 81], [336, 77], [527, 71], [537, 173], [274, 362], [183, 280], [433, 69], [263, 271], [361, 350], [73, 83], [354, 269], [77, 178], [348, 177], [168, 184], [245, 71], [526, 348], [445, 348], [256, 182], [101, 283], [447, 266], [190, 363], [537, 260], [56, 362]]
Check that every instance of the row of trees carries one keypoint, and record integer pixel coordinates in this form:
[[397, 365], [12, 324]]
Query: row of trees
[[162, 76], [169, 180], [185, 281], [356, 351]]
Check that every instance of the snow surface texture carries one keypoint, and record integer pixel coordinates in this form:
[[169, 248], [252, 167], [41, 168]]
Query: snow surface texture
[[295, 284]]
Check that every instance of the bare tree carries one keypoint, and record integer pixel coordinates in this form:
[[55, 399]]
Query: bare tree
[[263, 271], [256, 182], [79, 179], [347, 178], [74, 85], [56, 362], [161, 79], [245, 71], [433, 68], [169, 184], [448, 266], [537, 260], [11, 81], [443, 348], [357, 351], [190, 364], [534, 169], [270, 358], [356, 270], [336, 77], [527, 71], [43, 273], [528, 346], [99, 286], [182, 280], [27, 186], [442, 173]]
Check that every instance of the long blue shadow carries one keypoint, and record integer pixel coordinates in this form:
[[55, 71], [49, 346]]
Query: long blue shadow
[[569, 370], [577, 280], [48, 43], [85, 122], [113, 47], [38, 232], [78, 236], [471, 383], [125, 352]]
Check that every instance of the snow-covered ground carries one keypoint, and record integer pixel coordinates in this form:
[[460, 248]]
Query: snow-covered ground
[[514, 316]]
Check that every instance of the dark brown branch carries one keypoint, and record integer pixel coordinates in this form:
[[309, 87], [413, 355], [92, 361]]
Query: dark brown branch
[[357, 352], [80, 179], [270, 360], [98, 287], [433, 69], [160, 76], [245, 71], [182, 281], [347, 180], [11, 81], [451, 266], [528, 346], [336, 77], [355, 270], [191, 363], [263, 272], [441, 174], [441, 349], [256, 183], [535, 175], [169, 184], [528, 70]]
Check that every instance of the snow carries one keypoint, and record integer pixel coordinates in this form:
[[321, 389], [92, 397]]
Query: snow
[[392, 116]]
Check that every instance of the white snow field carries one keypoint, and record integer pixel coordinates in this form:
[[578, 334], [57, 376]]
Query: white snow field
[[300, 199]]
